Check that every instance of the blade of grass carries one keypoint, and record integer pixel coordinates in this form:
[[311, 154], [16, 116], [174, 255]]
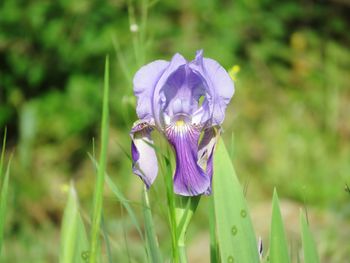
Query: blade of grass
[[237, 242], [121, 198], [98, 197], [125, 236], [278, 243], [154, 254], [121, 59], [3, 200], [167, 172], [2, 157], [74, 242], [103, 225], [106, 238], [309, 248]]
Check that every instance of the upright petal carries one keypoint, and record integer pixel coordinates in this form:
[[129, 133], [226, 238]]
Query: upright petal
[[145, 81], [144, 159], [182, 91], [189, 179], [220, 86], [159, 100]]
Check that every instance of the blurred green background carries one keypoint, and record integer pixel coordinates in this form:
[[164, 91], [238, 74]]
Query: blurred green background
[[288, 121]]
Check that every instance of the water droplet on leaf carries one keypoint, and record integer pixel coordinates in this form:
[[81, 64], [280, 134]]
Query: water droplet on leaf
[[234, 230]]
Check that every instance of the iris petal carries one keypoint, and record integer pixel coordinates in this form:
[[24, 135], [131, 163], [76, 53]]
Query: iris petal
[[182, 91], [189, 179], [145, 81], [144, 159], [220, 86], [159, 101], [206, 152]]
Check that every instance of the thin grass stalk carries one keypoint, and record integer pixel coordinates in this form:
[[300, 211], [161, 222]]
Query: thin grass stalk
[[153, 251], [172, 216], [98, 198], [3, 201], [143, 27], [135, 34], [2, 155], [166, 170]]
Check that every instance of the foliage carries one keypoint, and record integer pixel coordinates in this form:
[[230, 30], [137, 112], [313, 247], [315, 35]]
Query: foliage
[[289, 117]]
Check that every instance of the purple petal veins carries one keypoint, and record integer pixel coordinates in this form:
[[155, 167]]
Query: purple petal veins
[[189, 179], [182, 100]]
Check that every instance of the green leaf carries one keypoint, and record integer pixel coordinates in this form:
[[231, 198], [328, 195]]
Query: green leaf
[[2, 156], [3, 200], [98, 194], [237, 242], [309, 248], [278, 243], [74, 242], [154, 254]]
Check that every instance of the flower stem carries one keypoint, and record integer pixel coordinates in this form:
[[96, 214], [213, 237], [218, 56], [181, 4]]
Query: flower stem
[[182, 253], [185, 207]]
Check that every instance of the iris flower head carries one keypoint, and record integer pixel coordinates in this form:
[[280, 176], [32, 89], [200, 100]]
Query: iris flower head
[[186, 102]]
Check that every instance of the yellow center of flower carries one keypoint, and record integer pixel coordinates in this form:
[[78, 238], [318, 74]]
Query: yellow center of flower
[[180, 123]]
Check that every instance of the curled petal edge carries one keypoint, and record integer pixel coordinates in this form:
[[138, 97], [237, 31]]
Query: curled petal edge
[[144, 159], [206, 152]]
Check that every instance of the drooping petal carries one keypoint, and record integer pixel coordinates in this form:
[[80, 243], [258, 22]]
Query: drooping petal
[[144, 159], [189, 179], [145, 81], [206, 152], [219, 83]]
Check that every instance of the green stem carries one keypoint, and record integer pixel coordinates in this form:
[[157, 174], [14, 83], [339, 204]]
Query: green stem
[[185, 208], [182, 253]]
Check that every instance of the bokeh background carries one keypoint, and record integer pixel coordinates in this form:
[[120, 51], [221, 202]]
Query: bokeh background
[[289, 121]]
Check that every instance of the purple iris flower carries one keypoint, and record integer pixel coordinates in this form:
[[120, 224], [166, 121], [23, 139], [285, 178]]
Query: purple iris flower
[[186, 102]]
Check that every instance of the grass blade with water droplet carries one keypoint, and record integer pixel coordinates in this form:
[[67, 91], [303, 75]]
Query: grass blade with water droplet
[[278, 243], [237, 241]]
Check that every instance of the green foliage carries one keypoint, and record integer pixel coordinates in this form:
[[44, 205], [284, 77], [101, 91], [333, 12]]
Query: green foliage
[[289, 114], [309, 248], [185, 207], [236, 238], [74, 241], [98, 196], [4, 183], [153, 251], [278, 243]]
